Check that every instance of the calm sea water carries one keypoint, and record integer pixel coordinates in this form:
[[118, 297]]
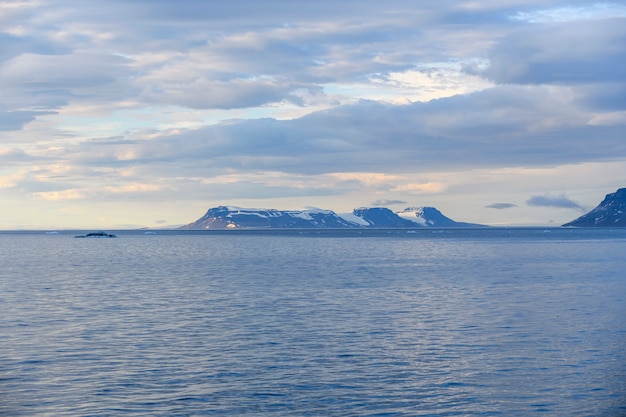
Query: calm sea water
[[498, 322]]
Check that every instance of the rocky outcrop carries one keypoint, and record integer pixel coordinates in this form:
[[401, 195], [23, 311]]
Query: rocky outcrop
[[609, 213]]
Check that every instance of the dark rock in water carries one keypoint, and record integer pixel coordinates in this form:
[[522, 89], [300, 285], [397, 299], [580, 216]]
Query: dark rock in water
[[609, 213], [97, 235]]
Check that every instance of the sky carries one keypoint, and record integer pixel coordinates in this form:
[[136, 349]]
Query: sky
[[136, 113]]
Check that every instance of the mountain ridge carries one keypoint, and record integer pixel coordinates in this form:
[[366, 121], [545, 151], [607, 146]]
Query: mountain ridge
[[230, 217]]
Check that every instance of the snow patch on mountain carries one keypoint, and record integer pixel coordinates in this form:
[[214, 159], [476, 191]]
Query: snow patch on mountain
[[353, 218], [414, 214]]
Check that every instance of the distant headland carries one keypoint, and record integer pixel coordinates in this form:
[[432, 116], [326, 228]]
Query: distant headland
[[609, 213]]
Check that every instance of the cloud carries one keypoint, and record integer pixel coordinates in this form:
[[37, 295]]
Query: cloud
[[15, 120], [499, 127], [71, 194], [560, 201], [52, 81], [158, 100], [501, 206], [568, 14], [13, 155], [569, 53], [385, 202], [132, 188], [230, 94], [428, 187]]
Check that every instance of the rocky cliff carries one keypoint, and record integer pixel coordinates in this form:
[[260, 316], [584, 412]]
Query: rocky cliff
[[609, 213]]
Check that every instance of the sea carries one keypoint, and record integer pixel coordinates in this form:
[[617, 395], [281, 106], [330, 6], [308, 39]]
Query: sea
[[426, 322]]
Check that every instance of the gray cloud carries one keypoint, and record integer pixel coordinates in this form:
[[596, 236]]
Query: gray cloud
[[566, 53], [257, 54], [231, 94], [501, 206], [560, 201], [385, 202], [499, 127], [15, 120], [53, 81], [603, 97]]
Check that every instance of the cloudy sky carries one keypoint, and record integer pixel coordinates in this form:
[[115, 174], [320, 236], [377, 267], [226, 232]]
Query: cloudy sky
[[133, 113]]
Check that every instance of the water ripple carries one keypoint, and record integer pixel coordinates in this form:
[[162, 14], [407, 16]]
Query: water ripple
[[255, 325]]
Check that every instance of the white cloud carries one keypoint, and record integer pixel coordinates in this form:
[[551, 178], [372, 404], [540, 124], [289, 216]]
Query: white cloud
[[411, 188], [569, 14], [71, 194]]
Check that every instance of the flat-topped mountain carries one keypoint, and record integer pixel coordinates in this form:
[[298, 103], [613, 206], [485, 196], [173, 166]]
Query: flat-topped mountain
[[225, 217], [609, 213]]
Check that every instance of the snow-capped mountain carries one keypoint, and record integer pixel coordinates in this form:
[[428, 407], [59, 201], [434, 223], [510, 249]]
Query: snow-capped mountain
[[381, 217], [431, 217], [224, 217], [611, 212]]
